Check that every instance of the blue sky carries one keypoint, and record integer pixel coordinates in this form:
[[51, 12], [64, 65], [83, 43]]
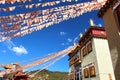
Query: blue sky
[[47, 41]]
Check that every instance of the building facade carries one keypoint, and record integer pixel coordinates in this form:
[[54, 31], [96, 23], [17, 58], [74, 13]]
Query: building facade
[[91, 60], [110, 13], [75, 65]]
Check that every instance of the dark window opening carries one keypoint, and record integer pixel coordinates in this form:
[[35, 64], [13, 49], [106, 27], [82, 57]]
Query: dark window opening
[[118, 16], [118, 13], [77, 77]]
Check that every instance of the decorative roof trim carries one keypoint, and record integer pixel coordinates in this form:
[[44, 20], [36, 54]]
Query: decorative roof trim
[[109, 4], [116, 5]]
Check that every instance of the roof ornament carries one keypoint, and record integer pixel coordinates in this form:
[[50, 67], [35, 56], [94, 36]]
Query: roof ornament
[[80, 35], [91, 22], [76, 38]]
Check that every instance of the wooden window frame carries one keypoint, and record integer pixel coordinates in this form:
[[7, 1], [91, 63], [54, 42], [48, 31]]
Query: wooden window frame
[[89, 47], [86, 72], [84, 51], [92, 71], [71, 76]]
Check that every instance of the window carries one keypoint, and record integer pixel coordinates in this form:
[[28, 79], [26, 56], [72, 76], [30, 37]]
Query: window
[[84, 52], [71, 76], [86, 73], [76, 58], [89, 47], [118, 13], [76, 76], [92, 71], [81, 75]]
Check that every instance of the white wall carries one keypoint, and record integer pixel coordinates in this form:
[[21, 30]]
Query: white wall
[[104, 61], [88, 59]]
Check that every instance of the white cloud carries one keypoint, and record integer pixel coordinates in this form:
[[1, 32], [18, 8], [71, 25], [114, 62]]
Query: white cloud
[[62, 33], [100, 25], [62, 44], [67, 43], [9, 44], [19, 50], [4, 51], [69, 40]]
